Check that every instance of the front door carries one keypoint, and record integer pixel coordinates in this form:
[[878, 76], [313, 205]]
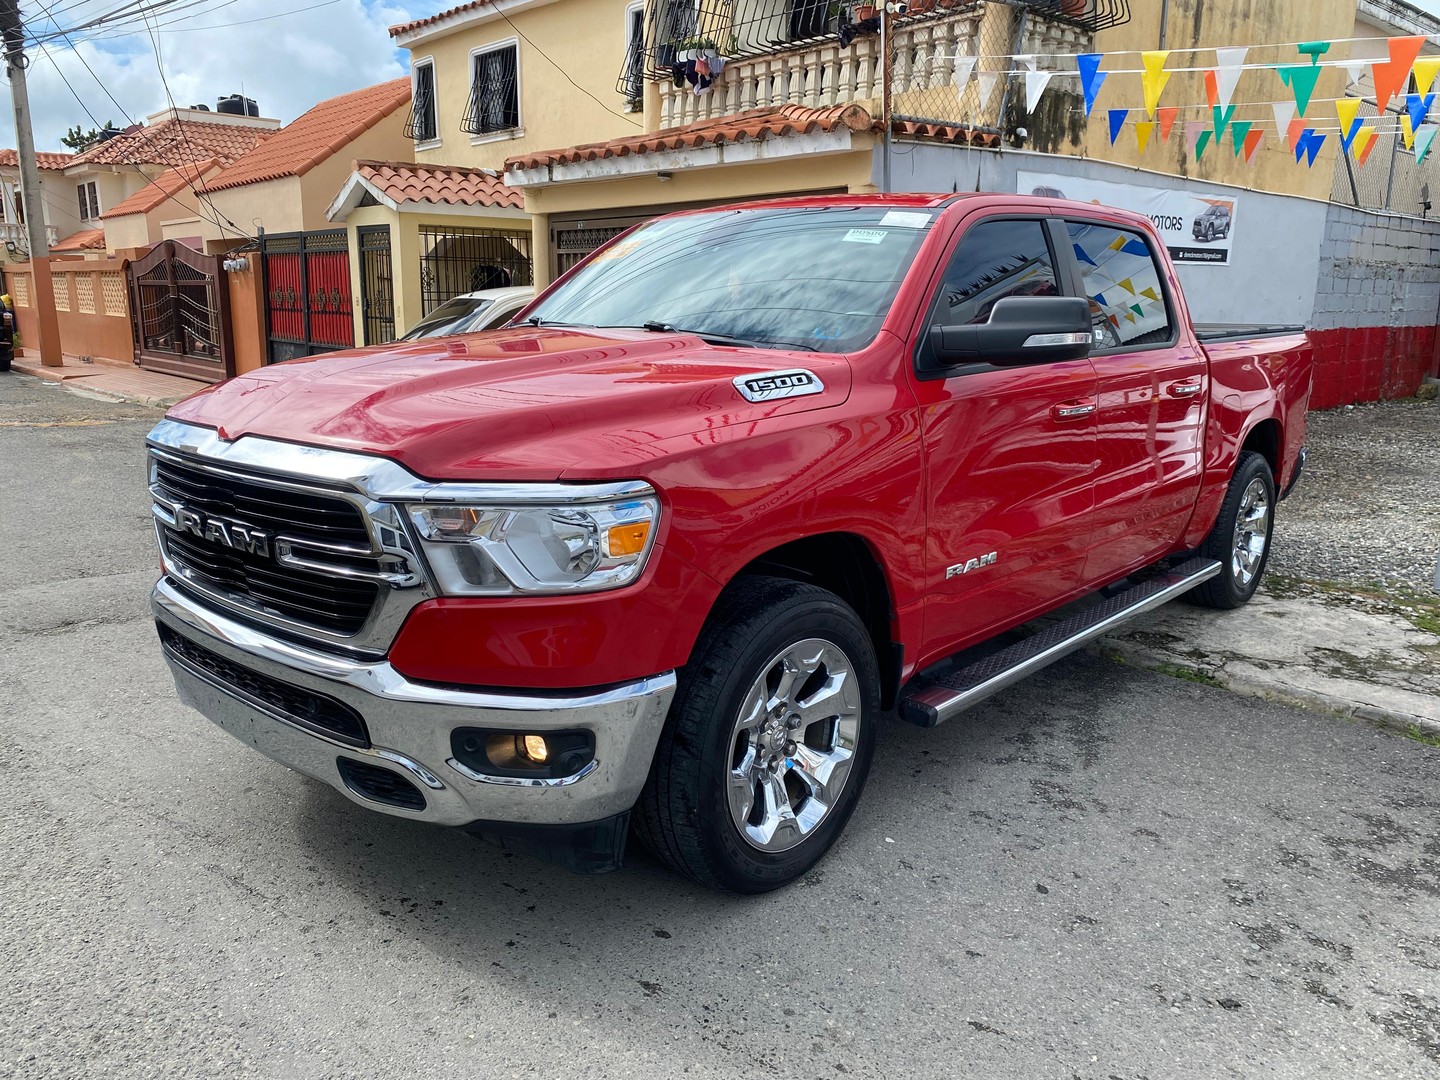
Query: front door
[[1009, 451], [1153, 386]]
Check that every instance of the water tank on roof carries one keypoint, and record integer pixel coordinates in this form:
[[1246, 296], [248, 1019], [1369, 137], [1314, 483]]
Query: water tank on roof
[[237, 105], [200, 108]]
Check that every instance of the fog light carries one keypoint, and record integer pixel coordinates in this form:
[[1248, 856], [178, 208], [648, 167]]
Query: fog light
[[532, 748]]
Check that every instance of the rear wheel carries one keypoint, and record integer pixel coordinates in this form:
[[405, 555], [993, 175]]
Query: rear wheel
[[1240, 539], [769, 739]]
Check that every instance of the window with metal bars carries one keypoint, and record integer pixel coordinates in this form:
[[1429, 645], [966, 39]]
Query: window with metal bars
[[89, 201], [422, 125], [633, 80], [494, 92]]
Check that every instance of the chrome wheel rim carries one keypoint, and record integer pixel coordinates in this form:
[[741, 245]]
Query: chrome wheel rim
[[1252, 533], [793, 744]]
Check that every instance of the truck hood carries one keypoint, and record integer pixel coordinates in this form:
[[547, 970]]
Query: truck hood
[[521, 404]]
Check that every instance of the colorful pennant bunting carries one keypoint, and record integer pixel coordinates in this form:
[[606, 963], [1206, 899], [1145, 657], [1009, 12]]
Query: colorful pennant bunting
[[1354, 72], [1091, 78], [1193, 128], [1239, 131], [1143, 130], [1302, 80], [1312, 151], [1424, 138], [1212, 89], [1284, 114], [1117, 121], [1201, 143], [1222, 120], [1035, 84], [1252, 144], [1230, 63], [1293, 132], [1155, 78], [1366, 141], [1392, 75], [1348, 110], [1407, 131], [1313, 49], [964, 68], [1425, 69], [1168, 116], [987, 81], [1417, 107]]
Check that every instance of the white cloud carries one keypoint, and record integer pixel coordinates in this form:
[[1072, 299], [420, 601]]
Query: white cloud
[[286, 64]]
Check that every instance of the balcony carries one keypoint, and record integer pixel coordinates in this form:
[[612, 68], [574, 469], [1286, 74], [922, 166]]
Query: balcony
[[767, 69], [13, 234]]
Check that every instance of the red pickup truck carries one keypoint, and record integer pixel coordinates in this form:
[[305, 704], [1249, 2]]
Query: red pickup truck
[[664, 552]]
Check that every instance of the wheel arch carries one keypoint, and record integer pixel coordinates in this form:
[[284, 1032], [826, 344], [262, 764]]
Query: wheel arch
[[1265, 439]]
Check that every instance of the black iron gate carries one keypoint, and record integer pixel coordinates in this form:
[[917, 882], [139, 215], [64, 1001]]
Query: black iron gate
[[306, 278], [180, 313], [458, 259], [377, 293]]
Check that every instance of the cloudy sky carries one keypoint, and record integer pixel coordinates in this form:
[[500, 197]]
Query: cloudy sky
[[213, 48]]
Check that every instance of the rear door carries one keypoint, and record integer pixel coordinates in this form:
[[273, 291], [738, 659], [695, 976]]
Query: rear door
[[1009, 451], [1153, 392]]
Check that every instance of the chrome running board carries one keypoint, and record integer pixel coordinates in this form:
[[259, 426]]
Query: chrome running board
[[938, 700]]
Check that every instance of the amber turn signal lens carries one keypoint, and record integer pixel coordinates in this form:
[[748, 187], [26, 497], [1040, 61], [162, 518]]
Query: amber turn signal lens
[[627, 539]]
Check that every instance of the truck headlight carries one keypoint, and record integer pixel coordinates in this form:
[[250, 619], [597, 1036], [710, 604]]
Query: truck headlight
[[498, 550]]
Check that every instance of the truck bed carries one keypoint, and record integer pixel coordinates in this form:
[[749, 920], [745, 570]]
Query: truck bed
[[1218, 332]]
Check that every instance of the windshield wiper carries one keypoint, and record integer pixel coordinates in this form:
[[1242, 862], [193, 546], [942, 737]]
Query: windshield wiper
[[656, 327], [535, 320]]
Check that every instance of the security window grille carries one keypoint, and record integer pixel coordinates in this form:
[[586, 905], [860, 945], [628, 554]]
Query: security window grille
[[458, 259], [422, 126], [494, 93], [633, 81], [89, 201]]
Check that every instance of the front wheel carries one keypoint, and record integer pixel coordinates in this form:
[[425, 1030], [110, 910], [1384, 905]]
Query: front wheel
[[769, 739], [1240, 539]]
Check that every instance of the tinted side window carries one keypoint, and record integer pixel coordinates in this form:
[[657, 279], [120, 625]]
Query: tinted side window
[[995, 259], [1122, 280]]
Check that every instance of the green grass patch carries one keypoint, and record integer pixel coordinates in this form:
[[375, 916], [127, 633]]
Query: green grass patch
[[1423, 736], [1189, 674]]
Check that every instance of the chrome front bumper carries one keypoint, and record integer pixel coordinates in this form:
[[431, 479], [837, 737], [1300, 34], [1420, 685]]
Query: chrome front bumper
[[410, 724]]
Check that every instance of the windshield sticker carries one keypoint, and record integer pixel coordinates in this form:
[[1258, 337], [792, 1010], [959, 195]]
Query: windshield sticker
[[905, 219], [616, 251], [863, 236]]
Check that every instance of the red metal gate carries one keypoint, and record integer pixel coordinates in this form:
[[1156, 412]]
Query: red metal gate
[[180, 313], [308, 308]]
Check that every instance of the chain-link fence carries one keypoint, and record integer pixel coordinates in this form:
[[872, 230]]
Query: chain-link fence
[[1390, 178]]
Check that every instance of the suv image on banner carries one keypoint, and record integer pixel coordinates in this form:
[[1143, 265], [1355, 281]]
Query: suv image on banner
[[1214, 222]]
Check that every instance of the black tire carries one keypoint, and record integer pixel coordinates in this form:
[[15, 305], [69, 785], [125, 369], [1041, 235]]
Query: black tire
[[1236, 583], [6, 356], [684, 814]]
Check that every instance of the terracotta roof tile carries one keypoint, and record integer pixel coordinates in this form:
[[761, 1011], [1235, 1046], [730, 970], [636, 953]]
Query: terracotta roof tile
[[163, 187], [430, 20], [84, 240], [406, 182], [769, 123], [175, 142], [316, 135], [773, 122], [54, 162]]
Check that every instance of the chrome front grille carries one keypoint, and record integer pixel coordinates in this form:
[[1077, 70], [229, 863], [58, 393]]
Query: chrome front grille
[[322, 564]]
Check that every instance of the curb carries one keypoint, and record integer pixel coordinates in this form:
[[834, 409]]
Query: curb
[[1404, 723]]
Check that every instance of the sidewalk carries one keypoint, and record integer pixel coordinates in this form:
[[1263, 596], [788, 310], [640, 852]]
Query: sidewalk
[[118, 382]]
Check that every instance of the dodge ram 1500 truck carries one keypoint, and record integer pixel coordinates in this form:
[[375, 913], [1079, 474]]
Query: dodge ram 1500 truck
[[663, 553]]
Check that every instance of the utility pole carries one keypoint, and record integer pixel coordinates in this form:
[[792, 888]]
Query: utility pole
[[42, 294]]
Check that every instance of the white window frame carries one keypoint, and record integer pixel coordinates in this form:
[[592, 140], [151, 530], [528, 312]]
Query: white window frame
[[415, 66], [518, 131], [630, 12], [91, 196]]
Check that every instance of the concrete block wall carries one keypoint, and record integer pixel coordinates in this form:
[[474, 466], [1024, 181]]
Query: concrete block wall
[[1376, 323]]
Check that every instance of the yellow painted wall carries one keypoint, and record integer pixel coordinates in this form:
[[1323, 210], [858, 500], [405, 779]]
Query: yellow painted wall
[[1206, 24], [585, 38]]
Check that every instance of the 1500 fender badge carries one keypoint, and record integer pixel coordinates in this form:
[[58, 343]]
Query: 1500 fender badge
[[973, 564], [774, 385]]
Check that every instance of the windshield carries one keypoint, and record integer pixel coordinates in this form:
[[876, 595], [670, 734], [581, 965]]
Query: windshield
[[818, 278], [452, 317]]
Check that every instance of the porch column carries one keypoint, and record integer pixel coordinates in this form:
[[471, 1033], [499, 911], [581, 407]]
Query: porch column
[[540, 259]]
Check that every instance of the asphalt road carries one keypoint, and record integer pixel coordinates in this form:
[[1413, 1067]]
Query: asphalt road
[[1105, 873]]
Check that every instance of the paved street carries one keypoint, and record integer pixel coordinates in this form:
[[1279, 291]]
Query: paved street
[[1106, 873]]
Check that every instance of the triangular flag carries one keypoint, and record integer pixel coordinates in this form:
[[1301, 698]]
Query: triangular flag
[[1426, 68], [1392, 75], [1312, 151], [1222, 120], [1084, 256], [1099, 298], [1202, 143], [1284, 114], [1212, 89], [964, 68], [1229, 64], [1149, 291], [1154, 79], [1293, 133], [1168, 116], [1301, 144], [1313, 49], [1143, 130], [1117, 121], [1301, 79], [1138, 310], [1348, 109], [1193, 128], [1238, 131], [1129, 318], [1418, 107], [1354, 71], [1091, 77], [1128, 285], [987, 81], [1365, 143], [1407, 131], [1252, 143], [1028, 60], [1423, 140], [1035, 84]]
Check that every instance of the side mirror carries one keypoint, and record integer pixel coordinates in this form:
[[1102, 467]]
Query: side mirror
[[1021, 330]]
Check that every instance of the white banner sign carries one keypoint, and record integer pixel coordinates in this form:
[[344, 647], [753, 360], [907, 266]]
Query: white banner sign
[[1196, 228]]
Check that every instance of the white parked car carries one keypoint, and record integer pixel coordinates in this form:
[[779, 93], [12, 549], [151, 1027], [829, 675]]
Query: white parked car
[[469, 313]]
